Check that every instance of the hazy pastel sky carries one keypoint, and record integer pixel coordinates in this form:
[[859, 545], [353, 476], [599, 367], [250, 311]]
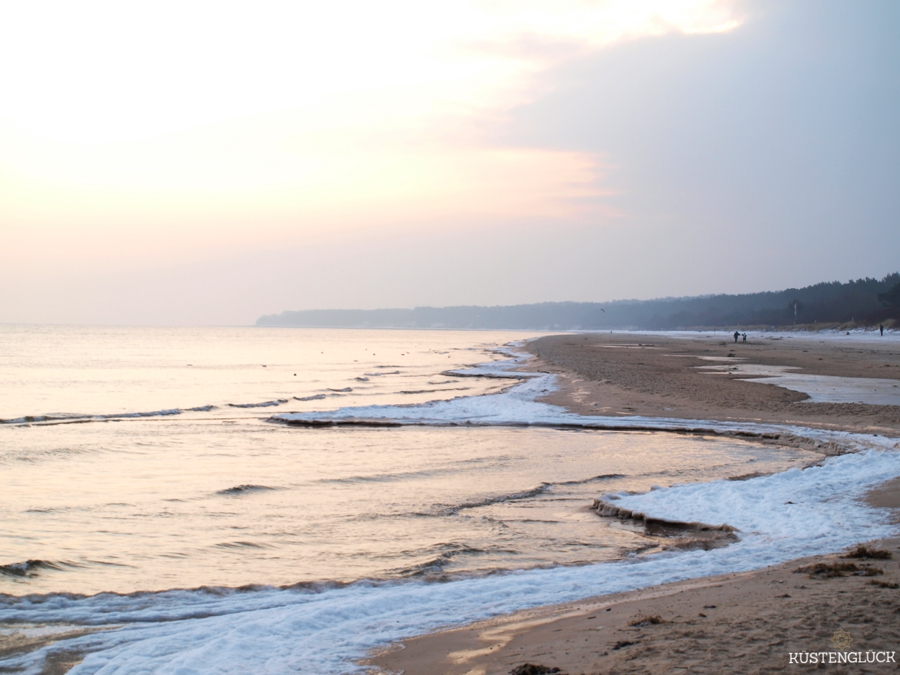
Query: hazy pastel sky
[[209, 162]]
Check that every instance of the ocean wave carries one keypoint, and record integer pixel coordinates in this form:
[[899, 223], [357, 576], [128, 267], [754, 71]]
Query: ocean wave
[[487, 501], [592, 479], [524, 494], [31, 568], [441, 556], [53, 417], [35, 455], [78, 418], [264, 404], [703, 533], [434, 391], [314, 397], [394, 372], [244, 489], [345, 422], [390, 476], [478, 373], [74, 418]]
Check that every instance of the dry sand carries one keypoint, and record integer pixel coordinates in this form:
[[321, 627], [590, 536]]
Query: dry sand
[[746, 623]]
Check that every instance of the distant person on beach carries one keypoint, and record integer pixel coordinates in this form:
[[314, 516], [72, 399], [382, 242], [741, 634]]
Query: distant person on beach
[[736, 336], [881, 328], [743, 337]]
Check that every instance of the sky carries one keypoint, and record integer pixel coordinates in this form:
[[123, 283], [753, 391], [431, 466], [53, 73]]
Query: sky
[[179, 163]]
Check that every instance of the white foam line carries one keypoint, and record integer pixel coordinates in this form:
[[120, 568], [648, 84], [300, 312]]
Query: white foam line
[[517, 406], [277, 631], [289, 631]]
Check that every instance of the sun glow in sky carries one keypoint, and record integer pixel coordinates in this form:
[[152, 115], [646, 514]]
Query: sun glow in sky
[[139, 135], [300, 117]]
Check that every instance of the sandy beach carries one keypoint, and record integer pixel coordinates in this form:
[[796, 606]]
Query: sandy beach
[[748, 623], [615, 374]]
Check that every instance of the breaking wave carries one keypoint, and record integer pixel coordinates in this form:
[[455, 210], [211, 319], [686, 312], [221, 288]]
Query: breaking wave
[[519, 496], [31, 568], [75, 418], [487, 501], [244, 489], [264, 404], [433, 391], [443, 555], [593, 479]]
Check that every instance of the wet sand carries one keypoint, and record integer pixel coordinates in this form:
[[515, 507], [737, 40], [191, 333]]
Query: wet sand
[[741, 623]]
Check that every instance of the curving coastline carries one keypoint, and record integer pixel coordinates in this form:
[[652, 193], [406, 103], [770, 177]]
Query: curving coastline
[[740, 622]]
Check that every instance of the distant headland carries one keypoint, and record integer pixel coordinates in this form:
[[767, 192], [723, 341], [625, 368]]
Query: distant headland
[[854, 304]]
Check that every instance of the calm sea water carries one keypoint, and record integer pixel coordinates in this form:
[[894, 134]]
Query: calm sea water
[[145, 459]]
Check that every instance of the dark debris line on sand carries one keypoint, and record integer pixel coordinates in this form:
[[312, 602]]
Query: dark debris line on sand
[[533, 669]]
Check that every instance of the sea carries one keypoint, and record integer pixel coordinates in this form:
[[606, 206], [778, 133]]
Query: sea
[[276, 500]]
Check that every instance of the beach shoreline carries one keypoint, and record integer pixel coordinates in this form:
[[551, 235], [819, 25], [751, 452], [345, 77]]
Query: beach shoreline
[[707, 377], [747, 622]]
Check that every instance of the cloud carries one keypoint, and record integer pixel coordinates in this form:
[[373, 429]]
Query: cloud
[[783, 129]]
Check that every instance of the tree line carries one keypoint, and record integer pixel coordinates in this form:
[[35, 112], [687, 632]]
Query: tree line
[[865, 301]]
